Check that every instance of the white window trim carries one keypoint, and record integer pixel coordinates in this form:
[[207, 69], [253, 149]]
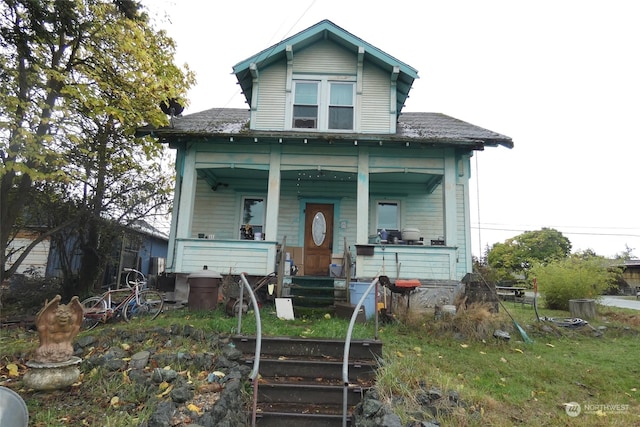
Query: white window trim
[[264, 213], [323, 102], [399, 219]]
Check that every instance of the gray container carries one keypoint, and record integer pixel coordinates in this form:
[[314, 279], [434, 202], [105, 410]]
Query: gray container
[[13, 410], [204, 287]]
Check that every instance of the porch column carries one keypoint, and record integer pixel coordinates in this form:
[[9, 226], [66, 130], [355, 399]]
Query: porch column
[[187, 195], [362, 206], [177, 193], [450, 203], [273, 195]]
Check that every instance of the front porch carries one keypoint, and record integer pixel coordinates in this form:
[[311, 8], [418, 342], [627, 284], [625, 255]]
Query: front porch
[[434, 266], [260, 258]]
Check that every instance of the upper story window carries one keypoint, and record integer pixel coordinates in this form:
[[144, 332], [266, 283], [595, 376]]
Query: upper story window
[[305, 105], [323, 104], [341, 106]]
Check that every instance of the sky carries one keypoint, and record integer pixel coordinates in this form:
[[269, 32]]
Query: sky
[[561, 78]]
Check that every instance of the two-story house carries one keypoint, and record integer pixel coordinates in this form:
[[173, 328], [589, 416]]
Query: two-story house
[[323, 157]]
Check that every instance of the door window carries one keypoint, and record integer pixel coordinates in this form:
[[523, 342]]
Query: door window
[[319, 228]]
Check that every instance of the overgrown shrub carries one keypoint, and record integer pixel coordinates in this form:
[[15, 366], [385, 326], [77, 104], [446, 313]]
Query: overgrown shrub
[[26, 294], [572, 278]]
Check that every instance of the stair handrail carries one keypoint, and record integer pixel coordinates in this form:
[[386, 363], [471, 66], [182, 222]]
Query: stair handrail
[[256, 362], [347, 345]]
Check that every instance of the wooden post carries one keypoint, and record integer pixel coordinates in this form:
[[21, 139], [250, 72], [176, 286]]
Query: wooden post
[[346, 264], [583, 308]]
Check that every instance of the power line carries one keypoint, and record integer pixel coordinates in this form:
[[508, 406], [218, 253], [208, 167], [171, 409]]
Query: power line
[[522, 230], [559, 226]]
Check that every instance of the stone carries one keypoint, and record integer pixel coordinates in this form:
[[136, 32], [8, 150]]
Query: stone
[[139, 360], [86, 341], [181, 394], [222, 362], [434, 393], [115, 364], [162, 415], [370, 407], [391, 420], [231, 353]]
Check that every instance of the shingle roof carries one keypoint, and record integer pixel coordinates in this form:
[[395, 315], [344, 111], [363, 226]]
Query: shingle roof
[[431, 128]]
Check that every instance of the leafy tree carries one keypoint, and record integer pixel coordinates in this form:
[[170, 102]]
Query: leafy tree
[[77, 78], [582, 275], [481, 267], [516, 255], [625, 255]]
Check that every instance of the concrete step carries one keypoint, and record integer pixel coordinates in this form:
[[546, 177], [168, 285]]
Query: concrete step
[[301, 378]]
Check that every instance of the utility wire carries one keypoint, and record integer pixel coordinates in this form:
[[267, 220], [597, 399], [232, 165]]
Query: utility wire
[[563, 232]]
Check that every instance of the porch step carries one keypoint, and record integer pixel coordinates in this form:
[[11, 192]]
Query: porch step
[[290, 415], [301, 378], [312, 291]]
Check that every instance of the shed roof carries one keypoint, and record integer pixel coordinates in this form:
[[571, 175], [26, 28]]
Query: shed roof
[[326, 30], [424, 128]]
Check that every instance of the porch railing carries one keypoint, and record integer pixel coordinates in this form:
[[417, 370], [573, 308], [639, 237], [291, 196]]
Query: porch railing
[[256, 362], [347, 344]]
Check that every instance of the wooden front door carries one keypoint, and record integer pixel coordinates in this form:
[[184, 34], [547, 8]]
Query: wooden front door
[[318, 239]]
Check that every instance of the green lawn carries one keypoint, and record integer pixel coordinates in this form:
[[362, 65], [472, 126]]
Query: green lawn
[[497, 382]]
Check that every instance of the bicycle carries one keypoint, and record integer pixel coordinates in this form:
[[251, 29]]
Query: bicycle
[[137, 302]]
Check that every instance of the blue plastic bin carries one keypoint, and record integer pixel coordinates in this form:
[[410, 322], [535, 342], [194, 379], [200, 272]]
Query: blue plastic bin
[[356, 290]]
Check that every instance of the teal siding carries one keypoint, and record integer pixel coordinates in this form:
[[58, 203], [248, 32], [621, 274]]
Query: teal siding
[[218, 212]]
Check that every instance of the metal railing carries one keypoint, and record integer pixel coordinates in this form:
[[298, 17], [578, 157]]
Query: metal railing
[[258, 350], [347, 344]]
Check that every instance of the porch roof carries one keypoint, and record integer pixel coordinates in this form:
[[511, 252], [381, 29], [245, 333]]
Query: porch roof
[[434, 129]]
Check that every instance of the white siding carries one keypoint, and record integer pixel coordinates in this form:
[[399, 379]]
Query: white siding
[[325, 58], [215, 212], [36, 259], [251, 257], [374, 112], [415, 262], [462, 267], [417, 208], [270, 112], [375, 108]]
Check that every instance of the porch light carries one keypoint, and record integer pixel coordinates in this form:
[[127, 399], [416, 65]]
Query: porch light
[[255, 140], [380, 142], [355, 142], [406, 144], [230, 139], [305, 140], [280, 140]]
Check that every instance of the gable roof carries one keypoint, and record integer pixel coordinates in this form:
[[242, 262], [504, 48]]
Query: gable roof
[[330, 31], [434, 129]]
